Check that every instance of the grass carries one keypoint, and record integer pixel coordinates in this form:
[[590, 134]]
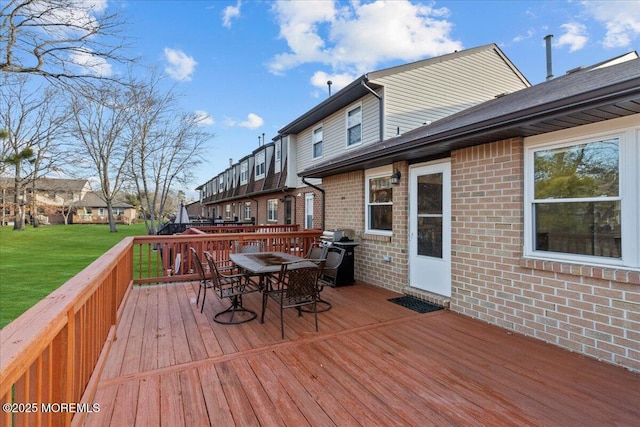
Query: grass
[[36, 261]]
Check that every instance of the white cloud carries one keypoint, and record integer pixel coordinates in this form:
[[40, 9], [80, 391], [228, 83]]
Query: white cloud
[[620, 18], [574, 36], [229, 13], [181, 66], [521, 37], [253, 122], [95, 65], [202, 118], [355, 37]]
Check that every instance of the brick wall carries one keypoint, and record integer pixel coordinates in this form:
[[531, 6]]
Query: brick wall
[[300, 206], [345, 209], [591, 310]]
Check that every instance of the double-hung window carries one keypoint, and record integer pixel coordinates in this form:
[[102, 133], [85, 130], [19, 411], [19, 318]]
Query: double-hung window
[[379, 201], [582, 199], [272, 210], [244, 173], [317, 142], [354, 126], [221, 184], [260, 165], [247, 210]]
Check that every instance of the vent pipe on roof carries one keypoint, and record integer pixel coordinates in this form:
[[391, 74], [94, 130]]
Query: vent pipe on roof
[[329, 83], [547, 40]]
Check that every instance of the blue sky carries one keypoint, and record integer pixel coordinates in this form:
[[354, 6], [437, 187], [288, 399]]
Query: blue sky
[[251, 67]]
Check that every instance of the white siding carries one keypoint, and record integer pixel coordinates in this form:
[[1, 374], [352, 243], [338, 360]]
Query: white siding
[[334, 129], [430, 93]]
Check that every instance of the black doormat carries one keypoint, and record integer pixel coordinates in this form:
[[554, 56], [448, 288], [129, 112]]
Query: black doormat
[[415, 304]]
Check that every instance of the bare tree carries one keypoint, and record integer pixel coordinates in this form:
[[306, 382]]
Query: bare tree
[[100, 118], [167, 146], [33, 120], [59, 39]]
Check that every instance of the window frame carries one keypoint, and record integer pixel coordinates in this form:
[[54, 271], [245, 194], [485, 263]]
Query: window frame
[[272, 210], [628, 135], [244, 172], [315, 143], [348, 143], [380, 172], [247, 210], [260, 167]]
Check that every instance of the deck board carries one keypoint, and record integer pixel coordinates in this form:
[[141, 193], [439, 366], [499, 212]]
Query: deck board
[[371, 363]]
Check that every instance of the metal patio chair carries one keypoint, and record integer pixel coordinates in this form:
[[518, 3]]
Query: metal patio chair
[[232, 287], [295, 287]]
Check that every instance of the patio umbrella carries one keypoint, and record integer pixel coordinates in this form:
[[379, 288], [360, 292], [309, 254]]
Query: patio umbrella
[[183, 215]]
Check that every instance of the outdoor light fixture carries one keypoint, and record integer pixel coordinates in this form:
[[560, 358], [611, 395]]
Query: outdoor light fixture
[[395, 177]]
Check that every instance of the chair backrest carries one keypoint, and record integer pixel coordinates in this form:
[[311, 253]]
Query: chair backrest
[[334, 258], [301, 282], [213, 268], [198, 263], [248, 247], [317, 252]]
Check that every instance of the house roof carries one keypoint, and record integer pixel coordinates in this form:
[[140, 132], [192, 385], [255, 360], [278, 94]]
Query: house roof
[[578, 98], [93, 200], [51, 184], [357, 89]]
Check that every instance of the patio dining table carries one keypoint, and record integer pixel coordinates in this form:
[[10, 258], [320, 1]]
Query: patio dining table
[[262, 264]]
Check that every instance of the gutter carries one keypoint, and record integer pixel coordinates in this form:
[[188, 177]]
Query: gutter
[[476, 130], [380, 111], [323, 198]]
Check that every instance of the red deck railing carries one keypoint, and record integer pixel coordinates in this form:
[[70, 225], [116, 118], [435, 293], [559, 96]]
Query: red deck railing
[[52, 354]]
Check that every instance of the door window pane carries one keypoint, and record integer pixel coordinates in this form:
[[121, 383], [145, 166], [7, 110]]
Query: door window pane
[[430, 194], [430, 236]]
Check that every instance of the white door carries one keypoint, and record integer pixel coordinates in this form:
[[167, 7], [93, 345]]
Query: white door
[[430, 228], [308, 210]]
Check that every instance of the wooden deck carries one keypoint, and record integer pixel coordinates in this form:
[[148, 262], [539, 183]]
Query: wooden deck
[[372, 363]]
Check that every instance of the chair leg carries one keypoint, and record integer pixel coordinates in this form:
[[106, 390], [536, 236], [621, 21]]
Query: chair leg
[[282, 320], [264, 307], [204, 297], [315, 313]]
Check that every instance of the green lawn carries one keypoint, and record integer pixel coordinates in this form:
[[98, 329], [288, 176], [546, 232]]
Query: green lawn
[[36, 261]]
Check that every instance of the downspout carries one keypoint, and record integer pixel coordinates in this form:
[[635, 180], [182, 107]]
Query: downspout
[[380, 112], [255, 222], [321, 191]]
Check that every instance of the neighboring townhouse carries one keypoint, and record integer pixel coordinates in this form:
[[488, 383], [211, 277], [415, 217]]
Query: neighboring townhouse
[[375, 107], [257, 189], [523, 211], [92, 209], [48, 199]]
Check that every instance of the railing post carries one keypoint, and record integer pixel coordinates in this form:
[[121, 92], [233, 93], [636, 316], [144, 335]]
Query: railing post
[[69, 380]]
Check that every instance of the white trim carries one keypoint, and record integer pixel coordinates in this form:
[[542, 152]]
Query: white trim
[[308, 206], [379, 172]]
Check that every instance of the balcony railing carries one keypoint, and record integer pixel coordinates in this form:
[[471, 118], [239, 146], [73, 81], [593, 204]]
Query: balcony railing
[[53, 353]]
